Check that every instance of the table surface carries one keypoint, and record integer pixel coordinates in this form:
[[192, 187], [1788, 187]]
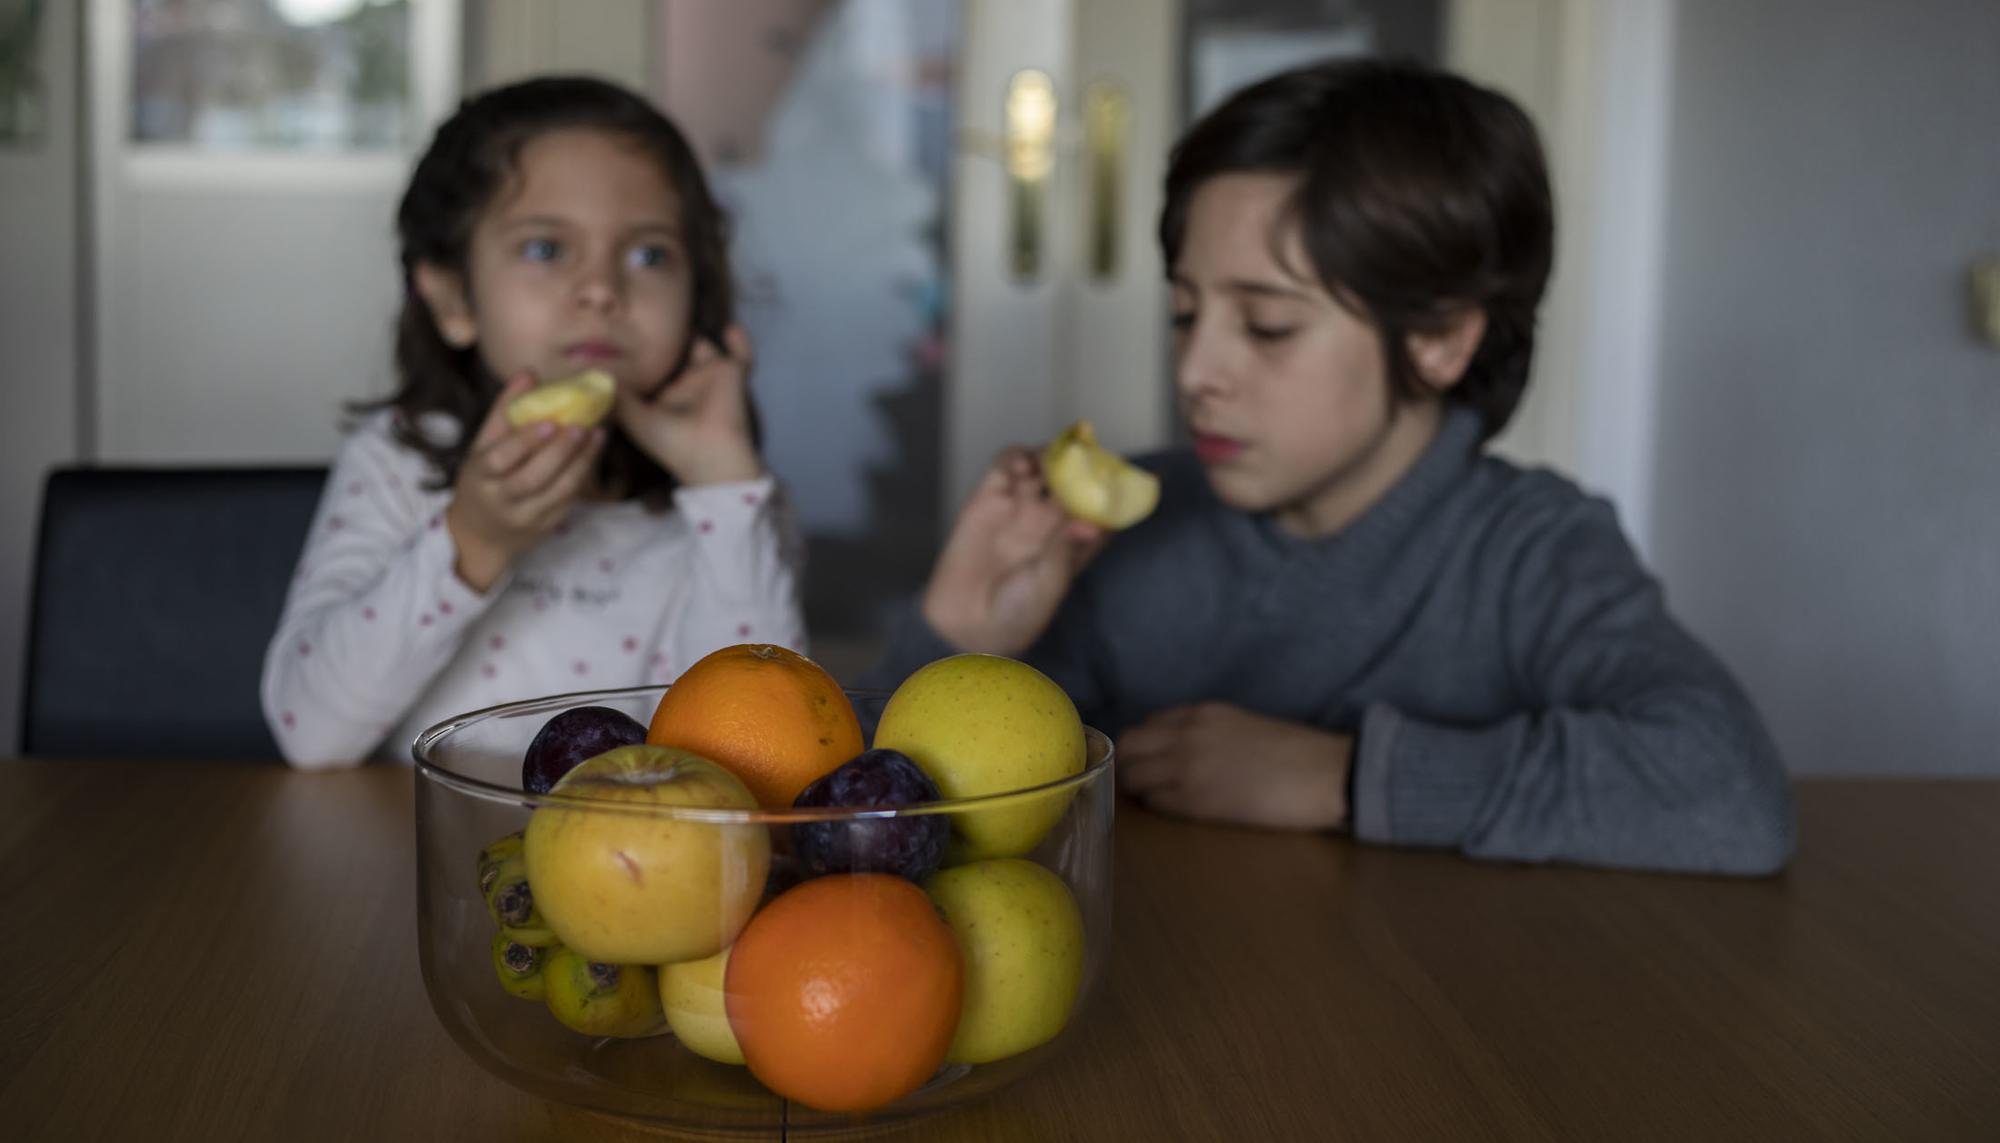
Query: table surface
[[198, 951]]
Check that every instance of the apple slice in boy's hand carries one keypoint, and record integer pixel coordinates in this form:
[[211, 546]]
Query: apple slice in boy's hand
[[579, 401], [1096, 484]]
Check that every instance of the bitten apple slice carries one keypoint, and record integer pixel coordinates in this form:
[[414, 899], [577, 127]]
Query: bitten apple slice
[[579, 401], [1096, 484]]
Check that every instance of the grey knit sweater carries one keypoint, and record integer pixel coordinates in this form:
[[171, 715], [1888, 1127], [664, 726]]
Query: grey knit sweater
[[1518, 689]]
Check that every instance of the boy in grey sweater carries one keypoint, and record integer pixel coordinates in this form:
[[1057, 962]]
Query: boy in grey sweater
[[1343, 614]]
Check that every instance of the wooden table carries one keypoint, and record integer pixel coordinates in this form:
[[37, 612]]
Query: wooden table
[[223, 952]]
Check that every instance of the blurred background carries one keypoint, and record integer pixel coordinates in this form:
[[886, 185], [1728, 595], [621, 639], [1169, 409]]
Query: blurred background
[[1761, 342]]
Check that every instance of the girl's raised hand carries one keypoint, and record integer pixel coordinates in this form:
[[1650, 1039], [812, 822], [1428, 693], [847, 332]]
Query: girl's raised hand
[[515, 486], [1009, 561], [697, 426]]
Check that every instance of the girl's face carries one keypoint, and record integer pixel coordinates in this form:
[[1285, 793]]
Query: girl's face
[[1285, 389], [579, 263]]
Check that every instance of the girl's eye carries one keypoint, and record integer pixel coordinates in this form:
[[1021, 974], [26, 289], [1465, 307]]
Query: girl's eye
[[647, 257], [540, 249], [1182, 322], [1269, 333]]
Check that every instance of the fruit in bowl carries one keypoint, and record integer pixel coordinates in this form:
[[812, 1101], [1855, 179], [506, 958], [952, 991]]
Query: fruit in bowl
[[619, 885], [908, 846], [1023, 940], [845, 991], [698, 951], [771, 716], [982, 725], [570, 738]]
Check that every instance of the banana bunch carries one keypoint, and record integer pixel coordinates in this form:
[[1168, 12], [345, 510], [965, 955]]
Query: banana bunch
[[531, 963]]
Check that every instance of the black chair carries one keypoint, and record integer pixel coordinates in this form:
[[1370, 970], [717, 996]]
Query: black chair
[[156, 591]]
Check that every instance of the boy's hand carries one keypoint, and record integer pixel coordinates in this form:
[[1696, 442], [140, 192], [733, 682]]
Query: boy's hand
[[698, 425], [515, 486], [1009, 561], [1221, 763]]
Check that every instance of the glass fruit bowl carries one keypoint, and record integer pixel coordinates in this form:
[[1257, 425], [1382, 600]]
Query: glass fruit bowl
[[1027, 921]]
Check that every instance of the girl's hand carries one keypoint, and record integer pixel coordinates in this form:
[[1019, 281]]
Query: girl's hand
[[1222, 763], [698, 425], [516, 485], [1009, 561]]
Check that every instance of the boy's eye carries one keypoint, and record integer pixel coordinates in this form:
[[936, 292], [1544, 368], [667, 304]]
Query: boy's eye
[[647, 257], [1182, 321], [1269, 332], [541, 249]]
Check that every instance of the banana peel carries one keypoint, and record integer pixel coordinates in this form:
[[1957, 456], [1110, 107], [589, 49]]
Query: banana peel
[[1095, 484], [579, 401]]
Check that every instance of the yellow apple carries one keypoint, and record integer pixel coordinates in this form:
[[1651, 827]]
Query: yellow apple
[[1021, 935], [986, 724], [625, 882], [691, 992], [1096, 484], [571, 402]]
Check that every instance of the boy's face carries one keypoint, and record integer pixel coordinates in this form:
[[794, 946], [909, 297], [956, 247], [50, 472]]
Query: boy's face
[[579, 263], [1285, 389]]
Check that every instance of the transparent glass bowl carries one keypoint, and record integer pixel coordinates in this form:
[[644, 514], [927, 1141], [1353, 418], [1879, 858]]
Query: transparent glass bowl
[[469, 795]]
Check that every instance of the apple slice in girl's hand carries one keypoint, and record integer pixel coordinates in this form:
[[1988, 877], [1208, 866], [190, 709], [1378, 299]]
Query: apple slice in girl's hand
[[579, 401]]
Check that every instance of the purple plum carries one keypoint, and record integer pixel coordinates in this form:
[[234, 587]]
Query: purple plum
[[572, 736], [909, 847]]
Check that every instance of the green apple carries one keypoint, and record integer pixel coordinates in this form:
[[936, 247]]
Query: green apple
[[626, 882], [600, 999], [1021, 935], [986, 724], [691, 992]]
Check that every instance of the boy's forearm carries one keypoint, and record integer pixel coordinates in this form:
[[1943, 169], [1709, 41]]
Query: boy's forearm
[[1695, 788]]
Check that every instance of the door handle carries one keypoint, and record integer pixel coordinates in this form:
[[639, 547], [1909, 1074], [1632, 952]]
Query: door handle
[[1029, 127], [1107, 129]]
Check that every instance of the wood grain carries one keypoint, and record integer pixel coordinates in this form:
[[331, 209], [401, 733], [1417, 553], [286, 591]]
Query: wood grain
[[228, 952]]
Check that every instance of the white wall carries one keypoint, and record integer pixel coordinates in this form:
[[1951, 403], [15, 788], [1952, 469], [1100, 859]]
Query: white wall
[[1828, 475], [38, 337], [1597, 80]]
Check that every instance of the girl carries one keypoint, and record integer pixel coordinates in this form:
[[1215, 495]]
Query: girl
[[553, 226], [1343, 613]]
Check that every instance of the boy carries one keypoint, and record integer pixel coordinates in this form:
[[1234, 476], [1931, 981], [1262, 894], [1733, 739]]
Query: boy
[[1343, 614]]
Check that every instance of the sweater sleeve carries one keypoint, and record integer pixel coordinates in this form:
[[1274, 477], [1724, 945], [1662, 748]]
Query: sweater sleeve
[[745, 572], [374, 613], [1636, 749]]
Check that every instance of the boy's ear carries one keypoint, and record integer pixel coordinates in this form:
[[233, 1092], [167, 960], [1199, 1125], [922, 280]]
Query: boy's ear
[[444, 292], [1442, 356]]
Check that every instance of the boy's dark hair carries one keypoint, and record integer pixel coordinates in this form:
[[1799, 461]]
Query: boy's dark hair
[[468, 162], [1420, 194]]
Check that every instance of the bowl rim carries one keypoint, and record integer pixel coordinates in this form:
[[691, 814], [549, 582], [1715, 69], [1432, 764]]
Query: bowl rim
[[1098, 757]]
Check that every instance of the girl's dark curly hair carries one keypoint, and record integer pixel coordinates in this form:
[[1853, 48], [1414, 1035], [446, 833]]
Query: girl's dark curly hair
[[469, 161], [1419, 194]]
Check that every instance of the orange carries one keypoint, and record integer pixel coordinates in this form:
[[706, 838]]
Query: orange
[[844, 991], [770, 715]]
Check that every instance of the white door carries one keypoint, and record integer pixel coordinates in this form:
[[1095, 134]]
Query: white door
[[1066, 111], [246, 157]]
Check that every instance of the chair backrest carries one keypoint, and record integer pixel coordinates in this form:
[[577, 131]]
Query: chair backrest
[[156, 591]]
